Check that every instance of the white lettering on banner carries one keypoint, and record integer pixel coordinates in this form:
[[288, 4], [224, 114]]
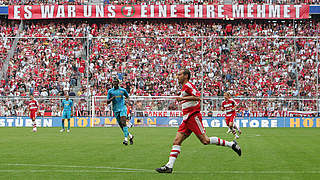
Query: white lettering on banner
[[87, 10], [237, 123], [205, 123], [99, 11], [210, 11], [2, 123], [286, 11], [264, 123], [173, 123], [173, 11], [28, 13], [47, 122], [10, 122], [250, 10], [224, 124], [274, 11], [144, 11], [19, 122], [16, 12], [152, 10], [187, 11], [60, 12], [198, 11], [47, 11], [162, 11], [254, 123], [215, 123], [297, 10], [244, 123], [111, 9], [28, 123], [274, 123], [71, 11], [220, 11], [237, 11], [261, 11], [38, 122]]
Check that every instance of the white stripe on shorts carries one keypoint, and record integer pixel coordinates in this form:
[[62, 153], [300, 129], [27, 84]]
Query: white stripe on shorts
[[199, 124]]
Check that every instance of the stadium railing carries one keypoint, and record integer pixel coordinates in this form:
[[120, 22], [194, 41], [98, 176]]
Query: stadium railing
[[164, 106]]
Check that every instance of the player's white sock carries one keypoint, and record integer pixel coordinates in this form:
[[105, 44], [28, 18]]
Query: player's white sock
[[175, 151], [220, 142], [235, 126], [126, 139], [130, 135], [228, 130]]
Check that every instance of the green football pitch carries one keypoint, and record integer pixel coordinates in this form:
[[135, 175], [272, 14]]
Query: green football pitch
[[98, 153]]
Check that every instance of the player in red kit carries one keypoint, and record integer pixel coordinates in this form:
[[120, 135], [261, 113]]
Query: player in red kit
[[229, 105], [192, 122], [33, 110]]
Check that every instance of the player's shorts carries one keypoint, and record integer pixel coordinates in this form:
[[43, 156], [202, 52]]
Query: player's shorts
[[121, 113], [192, 124], [33, 114], [66, 115], [229, 119]]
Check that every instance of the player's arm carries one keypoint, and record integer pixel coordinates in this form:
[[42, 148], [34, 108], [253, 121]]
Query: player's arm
[[126, 94], [62, 107], [236, 105], [37, 107], [27, 111], [222, 107], [193, 95], [109, 98], [71, 108], [188, 98]]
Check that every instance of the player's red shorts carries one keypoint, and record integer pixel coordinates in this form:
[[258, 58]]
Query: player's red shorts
[[192, 124], [33, 114], [229, 119]]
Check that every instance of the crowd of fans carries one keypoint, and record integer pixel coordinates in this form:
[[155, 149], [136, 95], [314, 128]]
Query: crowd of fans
[[146, 60], [122, 2]]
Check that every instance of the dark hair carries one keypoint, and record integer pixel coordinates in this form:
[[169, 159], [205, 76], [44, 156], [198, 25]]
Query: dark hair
[[187, 72], [116, 79]]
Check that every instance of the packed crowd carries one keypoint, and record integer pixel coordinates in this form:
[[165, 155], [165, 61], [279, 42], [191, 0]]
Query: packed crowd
[[245, 66], [146, 60], [45, 66], [122, 2], [7, 30]]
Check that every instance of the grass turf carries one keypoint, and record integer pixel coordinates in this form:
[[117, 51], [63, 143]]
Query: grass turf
[[98, 153]]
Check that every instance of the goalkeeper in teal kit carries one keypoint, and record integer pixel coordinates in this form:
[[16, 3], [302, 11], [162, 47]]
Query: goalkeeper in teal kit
[[116, 95]]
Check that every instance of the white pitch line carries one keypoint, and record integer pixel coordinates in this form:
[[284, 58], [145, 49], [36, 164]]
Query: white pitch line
[[65, 171], [72, 166], [175, 172], [127, 170], [247, 172]]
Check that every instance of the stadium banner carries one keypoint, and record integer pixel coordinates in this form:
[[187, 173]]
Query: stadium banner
[[239, 113], [253, 122], [239, 11]]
